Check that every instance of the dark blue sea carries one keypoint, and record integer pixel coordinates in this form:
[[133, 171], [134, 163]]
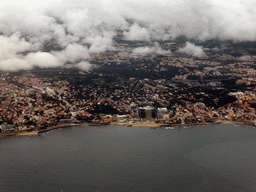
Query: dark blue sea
[[183, 159]]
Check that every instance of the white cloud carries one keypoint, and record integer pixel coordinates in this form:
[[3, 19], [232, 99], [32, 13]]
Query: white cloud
[[72, 54], [137, 33], [192, 49], [100, 44], [148, 50], [42, 60], [12, 46], [83, 65], [246, 58], [14, 64], [142, 50]]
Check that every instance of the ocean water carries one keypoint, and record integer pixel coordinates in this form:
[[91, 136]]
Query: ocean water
[[112, 158]]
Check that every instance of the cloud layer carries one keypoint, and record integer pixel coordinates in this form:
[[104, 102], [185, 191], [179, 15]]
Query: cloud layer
[[75, 28]]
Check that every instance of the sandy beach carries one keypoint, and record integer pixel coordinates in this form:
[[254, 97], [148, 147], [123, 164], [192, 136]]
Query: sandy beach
[[147, 124], [27, 133]]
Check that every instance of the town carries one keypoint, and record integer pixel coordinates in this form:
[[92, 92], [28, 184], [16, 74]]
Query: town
[[124, 89]]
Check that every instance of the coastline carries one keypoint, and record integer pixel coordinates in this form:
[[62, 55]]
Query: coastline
[[33, 133], [151, 124], [159, 125], [57, 127]]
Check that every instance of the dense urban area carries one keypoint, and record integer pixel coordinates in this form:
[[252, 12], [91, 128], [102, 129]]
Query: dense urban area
[[125, 88]]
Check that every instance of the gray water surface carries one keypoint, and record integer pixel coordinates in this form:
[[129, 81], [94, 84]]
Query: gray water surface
[[208, 158]]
